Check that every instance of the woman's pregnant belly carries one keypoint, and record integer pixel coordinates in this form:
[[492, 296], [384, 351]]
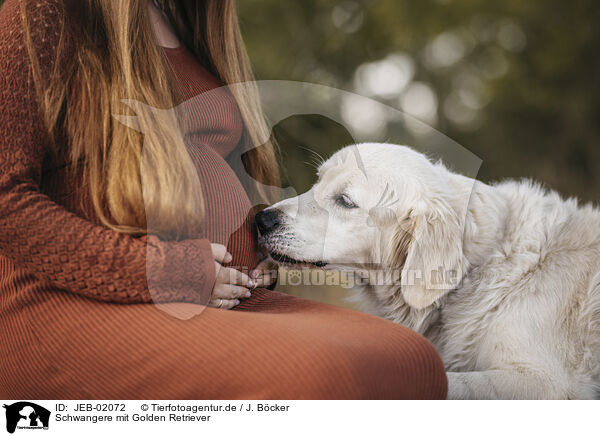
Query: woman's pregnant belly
[[229, 219]]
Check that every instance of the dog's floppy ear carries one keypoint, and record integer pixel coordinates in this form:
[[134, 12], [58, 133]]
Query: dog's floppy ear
[[429, 242]]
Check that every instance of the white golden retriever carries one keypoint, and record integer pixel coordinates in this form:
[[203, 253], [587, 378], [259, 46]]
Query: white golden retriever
[[503, 279]]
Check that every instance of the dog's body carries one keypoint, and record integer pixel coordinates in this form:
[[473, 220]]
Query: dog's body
[[520, 315]]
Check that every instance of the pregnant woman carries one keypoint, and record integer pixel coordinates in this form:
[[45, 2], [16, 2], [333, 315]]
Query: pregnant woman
[[100, 220]]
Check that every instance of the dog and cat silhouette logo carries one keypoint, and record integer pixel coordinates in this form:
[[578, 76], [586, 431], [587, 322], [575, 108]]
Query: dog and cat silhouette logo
[[25, 415]]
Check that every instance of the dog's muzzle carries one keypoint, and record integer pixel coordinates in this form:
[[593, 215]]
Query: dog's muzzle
[[268, 220]]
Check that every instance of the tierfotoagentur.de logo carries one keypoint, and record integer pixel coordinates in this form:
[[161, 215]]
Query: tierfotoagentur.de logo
[[26, 416]]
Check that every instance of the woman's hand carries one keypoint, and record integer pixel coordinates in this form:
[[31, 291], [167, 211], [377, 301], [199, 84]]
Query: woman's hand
[[265, 274], [230, 284]]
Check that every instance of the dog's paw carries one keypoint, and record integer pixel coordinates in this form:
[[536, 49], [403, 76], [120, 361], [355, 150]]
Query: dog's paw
[[457, 389]]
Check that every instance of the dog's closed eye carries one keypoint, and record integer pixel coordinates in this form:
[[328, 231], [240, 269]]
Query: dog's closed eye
[[345, 201]]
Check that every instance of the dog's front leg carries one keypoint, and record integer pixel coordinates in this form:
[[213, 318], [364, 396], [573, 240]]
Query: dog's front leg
[[501, 385]]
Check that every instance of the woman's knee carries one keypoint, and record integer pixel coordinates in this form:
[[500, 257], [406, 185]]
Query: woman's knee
[[399, 365], [414, 367]]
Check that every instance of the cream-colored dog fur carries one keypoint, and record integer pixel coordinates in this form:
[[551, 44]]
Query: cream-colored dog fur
[[518, 312]]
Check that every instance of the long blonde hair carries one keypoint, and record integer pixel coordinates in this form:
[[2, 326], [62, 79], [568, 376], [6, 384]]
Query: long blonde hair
[[115, 58]]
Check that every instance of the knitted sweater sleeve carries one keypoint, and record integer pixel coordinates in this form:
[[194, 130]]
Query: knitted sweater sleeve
[[47, 240]]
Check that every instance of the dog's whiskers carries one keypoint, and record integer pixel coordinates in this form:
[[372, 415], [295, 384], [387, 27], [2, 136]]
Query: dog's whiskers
[[319, 159]]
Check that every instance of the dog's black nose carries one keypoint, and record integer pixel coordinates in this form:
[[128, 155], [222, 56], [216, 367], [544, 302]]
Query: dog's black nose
[[267, 221]]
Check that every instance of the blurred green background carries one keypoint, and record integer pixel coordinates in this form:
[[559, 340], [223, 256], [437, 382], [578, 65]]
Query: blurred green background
[[516, 82]]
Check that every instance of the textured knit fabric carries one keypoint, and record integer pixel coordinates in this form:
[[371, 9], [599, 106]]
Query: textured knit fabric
[[75, 315]]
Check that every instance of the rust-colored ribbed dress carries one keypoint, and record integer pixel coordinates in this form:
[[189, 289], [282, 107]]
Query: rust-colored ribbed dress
[[76, 314]]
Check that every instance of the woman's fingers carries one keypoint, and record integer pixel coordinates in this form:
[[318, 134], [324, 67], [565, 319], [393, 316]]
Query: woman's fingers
[[220, 253], [234, 277], [221, 303], [230, 284], [264, 279], [230, 292], [265, 273]]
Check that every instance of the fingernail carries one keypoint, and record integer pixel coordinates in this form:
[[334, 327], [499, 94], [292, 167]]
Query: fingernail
[[237, 302], [248, 294], [228, 257], [251, 283]]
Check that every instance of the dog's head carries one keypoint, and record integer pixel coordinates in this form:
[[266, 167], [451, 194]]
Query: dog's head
[[376, 206]]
